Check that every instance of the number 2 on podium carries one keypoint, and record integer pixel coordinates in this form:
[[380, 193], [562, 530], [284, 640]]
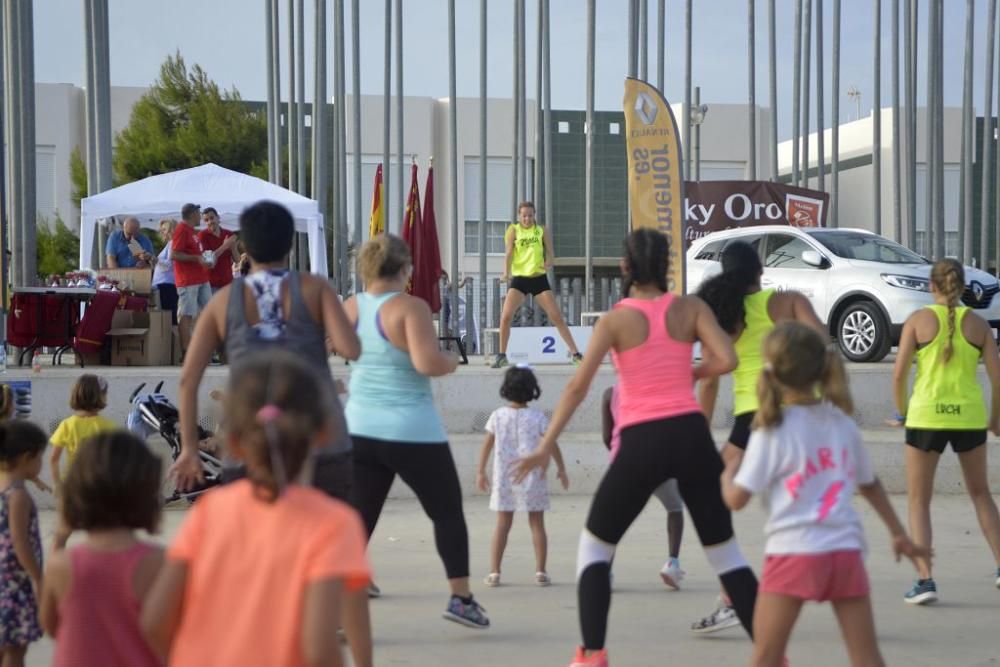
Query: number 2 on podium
[[548, 345]]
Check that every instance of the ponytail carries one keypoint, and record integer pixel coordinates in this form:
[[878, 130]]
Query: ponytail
[[949, 346], [833, 381], [948, 278], [769, 398], [725, 292]]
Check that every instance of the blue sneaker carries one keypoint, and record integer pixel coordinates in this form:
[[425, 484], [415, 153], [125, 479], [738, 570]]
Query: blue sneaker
[[469, 614], [924, 591]]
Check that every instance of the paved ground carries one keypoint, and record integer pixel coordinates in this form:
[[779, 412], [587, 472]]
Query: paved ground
[[534, 626]]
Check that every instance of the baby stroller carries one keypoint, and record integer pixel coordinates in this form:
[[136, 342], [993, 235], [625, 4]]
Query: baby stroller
[[154, 413]]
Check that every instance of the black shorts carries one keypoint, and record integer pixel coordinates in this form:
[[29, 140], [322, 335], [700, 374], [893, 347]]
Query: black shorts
[[933, 440], [533, 286], [740, 435]]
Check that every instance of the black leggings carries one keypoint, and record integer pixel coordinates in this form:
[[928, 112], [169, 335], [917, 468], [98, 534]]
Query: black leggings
[[651, 453], [429, 470]]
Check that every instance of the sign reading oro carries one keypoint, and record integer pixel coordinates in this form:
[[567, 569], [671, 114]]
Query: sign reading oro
[[655, 171]]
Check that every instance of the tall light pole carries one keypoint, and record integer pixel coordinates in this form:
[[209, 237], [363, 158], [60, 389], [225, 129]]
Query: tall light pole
[[386, 114], [806, 92], [772, 61], [453, 159], [877, 116], [482, 171], [796, 91], [588, 216], [965, 217], [835, 120], [897, 190], [401, 189], [751, 92], [820, 83], [688, 9]]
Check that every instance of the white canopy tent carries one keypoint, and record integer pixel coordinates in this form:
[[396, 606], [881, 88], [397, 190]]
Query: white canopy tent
[[228, 192]]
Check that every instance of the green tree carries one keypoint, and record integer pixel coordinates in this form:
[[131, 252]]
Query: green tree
[[186, 120], [58, 248]]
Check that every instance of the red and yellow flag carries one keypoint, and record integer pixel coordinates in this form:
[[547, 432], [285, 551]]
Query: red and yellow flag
[[376, 224], [411, 221]]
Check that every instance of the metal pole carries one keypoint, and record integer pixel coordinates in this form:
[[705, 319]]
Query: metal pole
[[752, 91], [320, 150], [386, 112], [772, 60], [483, 148], [835, 120], [275, 127], [697, 136], [4, 231], [985, 218], [90, 96], [633, 38], [21, 77], [357, 223], [820, 83], [331, 184], [269, 30], [909, 121], [806, 92], [522, 119], [940, 240], [292, 118], [514, 161], [796, 90], [661, 43], [453, 158], [588, 216], [343, 265], [547, 121], [931, 112], [877, 116], [102, 100], [300, 105], [897, 190], [399, 114], [644, 39], [688, 9], [540, 194], [965, 222], [914, 20]]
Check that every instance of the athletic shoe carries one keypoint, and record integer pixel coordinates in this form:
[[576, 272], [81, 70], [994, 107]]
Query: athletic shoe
[[373, 590], [672, 574], [599, 659], [500, 361], [469, 614], [924, 591], [492, 579], [577, 359], [724, 616]]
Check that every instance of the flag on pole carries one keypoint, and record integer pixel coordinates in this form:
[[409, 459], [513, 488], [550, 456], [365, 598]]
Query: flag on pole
[[411, 220], [427, 254], [376, 224]]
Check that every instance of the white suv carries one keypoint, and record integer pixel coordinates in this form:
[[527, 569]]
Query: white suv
[[862, 286]]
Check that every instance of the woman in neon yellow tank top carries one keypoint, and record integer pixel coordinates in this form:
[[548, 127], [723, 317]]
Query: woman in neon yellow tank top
[[946, 406], [747, 313], [527, 256]]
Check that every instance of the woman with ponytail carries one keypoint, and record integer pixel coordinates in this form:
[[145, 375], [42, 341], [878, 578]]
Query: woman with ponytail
[[664, 434], [747, 313], [947, 406], [814, 537]]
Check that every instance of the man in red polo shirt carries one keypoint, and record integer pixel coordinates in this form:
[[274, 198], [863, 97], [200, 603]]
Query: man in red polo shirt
[[220, 241], [190, 272]]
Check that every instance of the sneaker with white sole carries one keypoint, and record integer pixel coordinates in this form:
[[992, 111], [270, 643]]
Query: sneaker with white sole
[[672, 574], [924, 591], [599, 659], [721, 618], [467, 613], [500, 361], [373, 590]]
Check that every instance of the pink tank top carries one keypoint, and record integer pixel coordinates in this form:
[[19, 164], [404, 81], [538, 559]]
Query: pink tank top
[[99, 617], [656, 378]]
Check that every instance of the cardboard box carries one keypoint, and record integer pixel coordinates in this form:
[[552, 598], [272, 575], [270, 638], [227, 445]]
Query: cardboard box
[[139, 281], [145, 342]]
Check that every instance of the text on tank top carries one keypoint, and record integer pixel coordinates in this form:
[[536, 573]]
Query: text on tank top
[[655, 378], [750, 356], [947, 396]]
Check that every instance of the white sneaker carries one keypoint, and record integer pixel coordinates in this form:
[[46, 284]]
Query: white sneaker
[[721, 618], [672, 574]]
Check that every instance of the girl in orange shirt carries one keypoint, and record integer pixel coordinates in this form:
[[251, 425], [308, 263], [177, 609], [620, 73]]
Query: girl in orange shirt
[[258, 571]]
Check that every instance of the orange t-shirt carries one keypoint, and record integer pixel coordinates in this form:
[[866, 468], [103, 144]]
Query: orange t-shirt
[[249, 564]]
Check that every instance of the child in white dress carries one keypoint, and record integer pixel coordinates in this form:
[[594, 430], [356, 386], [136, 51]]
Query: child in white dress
[[515, 431]]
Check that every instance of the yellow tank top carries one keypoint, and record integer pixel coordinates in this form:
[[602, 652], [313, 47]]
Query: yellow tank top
[[748, 351], [947, 396], [529, 251]]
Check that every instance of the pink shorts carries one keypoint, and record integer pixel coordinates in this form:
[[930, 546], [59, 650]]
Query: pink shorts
[[817, 577]]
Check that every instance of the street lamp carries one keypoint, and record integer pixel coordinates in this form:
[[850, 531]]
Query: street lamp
[[698, 113], [855, 95]]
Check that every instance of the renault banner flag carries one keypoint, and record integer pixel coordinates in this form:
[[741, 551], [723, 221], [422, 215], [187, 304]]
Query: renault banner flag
[[655, 171]]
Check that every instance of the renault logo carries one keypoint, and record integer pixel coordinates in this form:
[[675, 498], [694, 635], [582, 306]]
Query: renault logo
[[977, 290], [645, 108]]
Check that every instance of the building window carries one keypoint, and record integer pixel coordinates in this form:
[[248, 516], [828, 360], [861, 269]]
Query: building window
[[494, 237], [614, 128], [564, 127]]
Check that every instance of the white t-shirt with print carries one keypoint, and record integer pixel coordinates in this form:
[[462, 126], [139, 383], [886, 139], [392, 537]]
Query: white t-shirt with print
[[807, 470]]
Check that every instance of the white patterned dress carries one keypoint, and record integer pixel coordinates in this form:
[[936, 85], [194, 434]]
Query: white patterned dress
[[517, 432]]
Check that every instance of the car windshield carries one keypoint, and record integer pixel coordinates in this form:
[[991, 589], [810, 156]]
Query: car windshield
[[867, 247]]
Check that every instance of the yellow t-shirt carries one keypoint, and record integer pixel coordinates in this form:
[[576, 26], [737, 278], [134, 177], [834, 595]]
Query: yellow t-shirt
[[75, 429]]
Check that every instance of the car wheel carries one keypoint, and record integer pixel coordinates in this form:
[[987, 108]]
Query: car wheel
[[863, 333]]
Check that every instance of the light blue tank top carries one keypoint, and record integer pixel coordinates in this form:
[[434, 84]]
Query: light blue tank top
[[389, 399]]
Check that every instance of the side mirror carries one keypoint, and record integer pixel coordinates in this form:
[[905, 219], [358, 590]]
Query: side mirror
[[813, 258]]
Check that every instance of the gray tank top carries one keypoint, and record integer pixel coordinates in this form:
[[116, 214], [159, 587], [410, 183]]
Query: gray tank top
[[302, 335]]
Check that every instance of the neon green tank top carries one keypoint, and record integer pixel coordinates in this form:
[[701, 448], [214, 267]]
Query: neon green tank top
[[529, 251], [748, 351], [947, 396]]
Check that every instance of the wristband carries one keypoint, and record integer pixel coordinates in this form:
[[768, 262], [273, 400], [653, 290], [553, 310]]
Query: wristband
[[900, 418]]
